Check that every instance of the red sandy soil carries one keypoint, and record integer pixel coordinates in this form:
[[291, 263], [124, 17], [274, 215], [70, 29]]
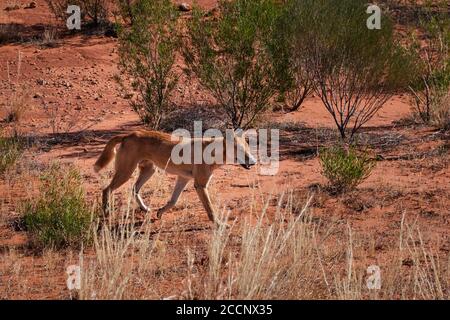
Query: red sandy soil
[[76, 77]]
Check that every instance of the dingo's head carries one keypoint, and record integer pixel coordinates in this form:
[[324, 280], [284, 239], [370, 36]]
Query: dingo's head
[[242, 151]]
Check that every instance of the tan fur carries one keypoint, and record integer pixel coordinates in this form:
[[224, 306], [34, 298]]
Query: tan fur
[[108, 153], [150, 149]]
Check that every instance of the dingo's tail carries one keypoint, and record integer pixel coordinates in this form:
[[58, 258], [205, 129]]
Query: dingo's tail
[[108, 153]]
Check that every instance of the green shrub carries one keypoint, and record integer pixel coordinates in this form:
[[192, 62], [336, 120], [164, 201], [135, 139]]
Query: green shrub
[[441, 113], [228, 55], [59, 215], [147, 54], [430, 43], [287, 54], [95, 10], [345, 168], [11, 148], [354, 70]]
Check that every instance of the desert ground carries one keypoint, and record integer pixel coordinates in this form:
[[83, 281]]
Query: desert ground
[[75, 106]]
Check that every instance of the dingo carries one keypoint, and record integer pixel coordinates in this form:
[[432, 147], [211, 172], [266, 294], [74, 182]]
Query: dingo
[[147, 149]]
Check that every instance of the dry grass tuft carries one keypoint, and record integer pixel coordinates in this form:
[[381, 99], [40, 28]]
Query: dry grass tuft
[[441, 113], [18, 99], [49, 38], [123, 262]]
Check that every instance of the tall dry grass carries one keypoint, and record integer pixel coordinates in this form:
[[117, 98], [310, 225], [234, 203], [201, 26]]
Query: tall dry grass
[[274, 257], [122, 264], [18, 98], [295, 256], [441, 113], [281, 254], [127, 254]]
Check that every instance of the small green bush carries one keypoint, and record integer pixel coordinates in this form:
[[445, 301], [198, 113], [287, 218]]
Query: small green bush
[[354, 70], [229, 56], [441, 114], [430, 44], [59, 215], [287, 55], [345, 168], [11, 148], [147, 55], [95, 11]]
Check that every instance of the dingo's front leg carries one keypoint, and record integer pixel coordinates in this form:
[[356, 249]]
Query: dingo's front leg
[[146, 172], [203, 194], [179, 187]]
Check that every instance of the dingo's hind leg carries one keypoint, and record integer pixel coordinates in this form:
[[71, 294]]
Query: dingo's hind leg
[[147, 169], [124, 169], [179, 187]]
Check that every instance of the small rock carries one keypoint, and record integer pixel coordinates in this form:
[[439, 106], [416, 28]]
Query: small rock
[[12, 7], [184, 7], [408, 262], [31, 5], [41, 82], [37, 95]]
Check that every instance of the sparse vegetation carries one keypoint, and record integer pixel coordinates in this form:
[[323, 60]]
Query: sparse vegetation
[[18, 98], [8, 32], [272, 262], [441, 113], [125, 9], [94, 10], [287, 53], [49, 38], [354, 70], [111, 274], [147, 55], [345, 167], [11, 149], [228, 55], [63, 121], [8, 29], [59, 215], [296, 258], [431, 46]]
